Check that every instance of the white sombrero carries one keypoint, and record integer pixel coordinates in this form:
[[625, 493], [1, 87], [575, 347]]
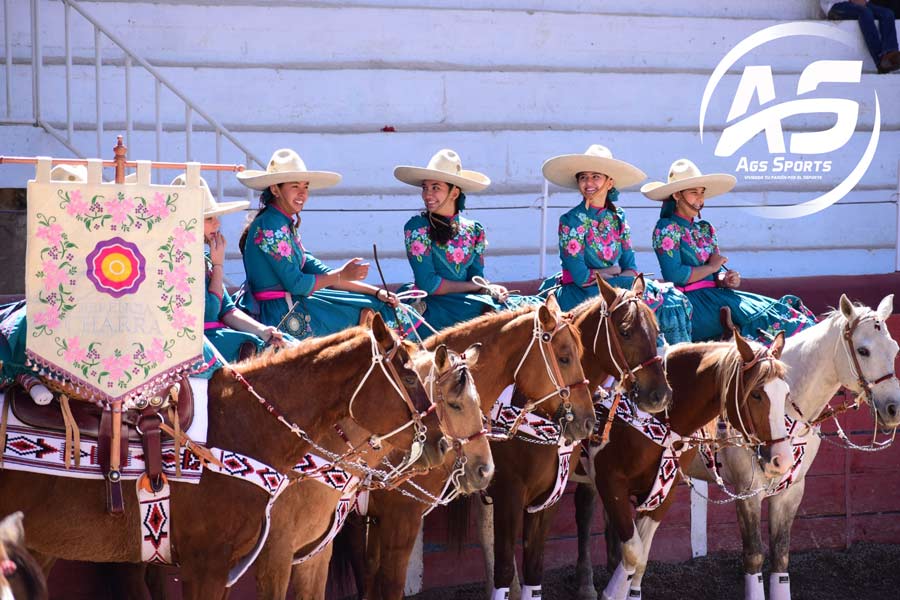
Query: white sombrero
[[69, 173], [444, 166], [211, 208], [563, 170], [684, 175], [287, 166]]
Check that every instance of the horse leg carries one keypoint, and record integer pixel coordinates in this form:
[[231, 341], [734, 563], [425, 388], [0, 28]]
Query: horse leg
[[646, 528], [205, 577], [585, 498], [613, 542], [534, 534], [396, 546], [485, 527], [509, 507], [273, 566], [748, 511], [310, 579], [155, 580], [782, 510], [619, 507]]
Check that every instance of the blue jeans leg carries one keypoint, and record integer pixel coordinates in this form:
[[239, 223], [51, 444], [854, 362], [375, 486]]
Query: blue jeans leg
[[886, 26], [863, 14]]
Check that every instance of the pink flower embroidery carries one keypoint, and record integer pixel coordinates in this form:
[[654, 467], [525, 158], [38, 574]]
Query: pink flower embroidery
[[74, 352], [178, 278], [53, 275], [157, 352], [182, 237], [573, 247], [119, 209], [703, 255], [51, 233], [181, 319], [284, 248], [459, 256], [48, 318], [608, 253], [116, 366], [417, 248], [158, 207], [667, 244], [77, 207]]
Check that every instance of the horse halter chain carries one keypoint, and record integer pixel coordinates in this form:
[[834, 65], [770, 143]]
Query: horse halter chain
[[545, 344], [627, 377]]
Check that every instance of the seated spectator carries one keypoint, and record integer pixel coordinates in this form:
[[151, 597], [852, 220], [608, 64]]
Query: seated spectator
[[881, 40]]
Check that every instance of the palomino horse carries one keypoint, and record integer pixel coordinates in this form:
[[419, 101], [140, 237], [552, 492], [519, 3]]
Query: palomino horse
[[533, 349], [619, 331], [740, 381], [305, 515], [268, 408], [852, 348], [21, 577]]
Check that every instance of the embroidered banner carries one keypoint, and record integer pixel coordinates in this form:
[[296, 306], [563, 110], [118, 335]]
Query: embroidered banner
[[114, 281]]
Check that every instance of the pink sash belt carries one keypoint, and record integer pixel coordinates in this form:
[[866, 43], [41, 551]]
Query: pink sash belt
[[213, 325], [270, 295], [697, 285]]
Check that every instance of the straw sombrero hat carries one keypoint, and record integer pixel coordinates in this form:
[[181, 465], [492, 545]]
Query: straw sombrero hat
[[286, 166], [69, 173], [562, 170], [683, 175], [211, 208], [444, 166]]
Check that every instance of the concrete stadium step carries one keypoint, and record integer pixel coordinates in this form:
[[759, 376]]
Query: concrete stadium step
[[467, 100], [384, 37]]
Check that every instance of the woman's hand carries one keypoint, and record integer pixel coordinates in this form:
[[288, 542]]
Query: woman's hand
[[354, 270], [388, 297], [717, 261], [273, 336], [732, 279], [217, 248], [500, 293], [608, 271]]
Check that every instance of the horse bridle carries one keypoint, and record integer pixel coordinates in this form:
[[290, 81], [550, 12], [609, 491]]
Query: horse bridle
[[740, 400], [460, 370], [627, 377], [850, 350], [544, 339]]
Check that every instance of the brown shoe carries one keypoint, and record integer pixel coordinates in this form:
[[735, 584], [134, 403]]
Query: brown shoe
[[888, 63], [894, 57]]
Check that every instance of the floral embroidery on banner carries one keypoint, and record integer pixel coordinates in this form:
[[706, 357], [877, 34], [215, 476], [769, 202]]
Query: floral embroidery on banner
[[121, 213], [58, 272], [173, 281], [277, 242]]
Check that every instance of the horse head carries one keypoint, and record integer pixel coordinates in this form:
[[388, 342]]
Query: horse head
[[451, 387], [870, 351], [551, 376], [622, 331], [753, 393]]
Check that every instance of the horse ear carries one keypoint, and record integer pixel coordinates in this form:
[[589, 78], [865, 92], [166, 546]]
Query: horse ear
[[553, 304], [607, 291], [367, 319], [472, 353], [886, 307], [547, 316], [639, 285], [441, 358], [12, 530], [777, 345], [847, 308], [743, 347], [382, 333]]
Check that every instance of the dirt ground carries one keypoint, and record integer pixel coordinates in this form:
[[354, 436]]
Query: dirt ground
[[864, 572]]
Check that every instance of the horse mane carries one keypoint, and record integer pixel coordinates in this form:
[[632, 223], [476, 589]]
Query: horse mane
[[309, 350], [484, 320], [725, 359]]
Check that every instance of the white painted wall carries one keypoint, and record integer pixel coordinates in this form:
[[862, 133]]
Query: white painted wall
[[507, 83]]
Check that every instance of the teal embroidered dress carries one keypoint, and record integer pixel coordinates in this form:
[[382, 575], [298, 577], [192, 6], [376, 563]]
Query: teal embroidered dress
[[13, 328], [227, 341], [592, 238], [280, 270], [683, 244], [460, 259]]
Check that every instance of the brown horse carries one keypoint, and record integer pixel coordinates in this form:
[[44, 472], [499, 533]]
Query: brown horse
[[619, 331], [303, 516], [509, 356], [739, 381], [21, 577], [217, 522]]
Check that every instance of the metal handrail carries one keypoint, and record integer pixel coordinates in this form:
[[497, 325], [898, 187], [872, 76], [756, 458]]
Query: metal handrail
[[131, 57]]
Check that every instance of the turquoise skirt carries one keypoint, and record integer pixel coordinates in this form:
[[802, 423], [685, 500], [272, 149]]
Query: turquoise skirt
[[757, 317], [13, 330], [672, 309]]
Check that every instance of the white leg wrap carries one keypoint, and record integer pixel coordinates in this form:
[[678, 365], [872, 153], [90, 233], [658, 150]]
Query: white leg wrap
[[617, 588], [753, 587], [634, 594], [500, 594], [531, 592], [780, 586]]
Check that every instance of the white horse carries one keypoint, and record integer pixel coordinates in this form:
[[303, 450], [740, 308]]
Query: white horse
[[820, 361]]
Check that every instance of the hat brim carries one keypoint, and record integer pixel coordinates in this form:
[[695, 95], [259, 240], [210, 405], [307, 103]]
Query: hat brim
[[467, 181], [223, 208], [716, 184], [260, 180], [562, 170]]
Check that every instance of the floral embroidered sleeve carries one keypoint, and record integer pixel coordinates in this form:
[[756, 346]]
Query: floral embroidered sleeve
[[418, 252], [282, 255], [667, 244], [571, 251], [627, 260], [477, 266]]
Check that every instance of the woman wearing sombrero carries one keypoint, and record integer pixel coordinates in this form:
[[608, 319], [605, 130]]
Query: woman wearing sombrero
[[445, 249], [595, 239], [688, 254], [287, 286]]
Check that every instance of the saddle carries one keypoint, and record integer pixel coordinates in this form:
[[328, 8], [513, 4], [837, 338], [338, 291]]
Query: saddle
[[81, 418]]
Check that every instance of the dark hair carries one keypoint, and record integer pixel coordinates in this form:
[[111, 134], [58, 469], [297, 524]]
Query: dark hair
[[443, 229], [265, 199]]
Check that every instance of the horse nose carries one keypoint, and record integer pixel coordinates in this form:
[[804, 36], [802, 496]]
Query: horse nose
[[444, 446], [589, 425], [485, 472], [892, 410]]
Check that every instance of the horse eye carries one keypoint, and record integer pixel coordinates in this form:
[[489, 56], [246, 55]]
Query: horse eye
[[455, 406], [625, 333], [565, 360], [756, 395], [409, 380], [863, 351]]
